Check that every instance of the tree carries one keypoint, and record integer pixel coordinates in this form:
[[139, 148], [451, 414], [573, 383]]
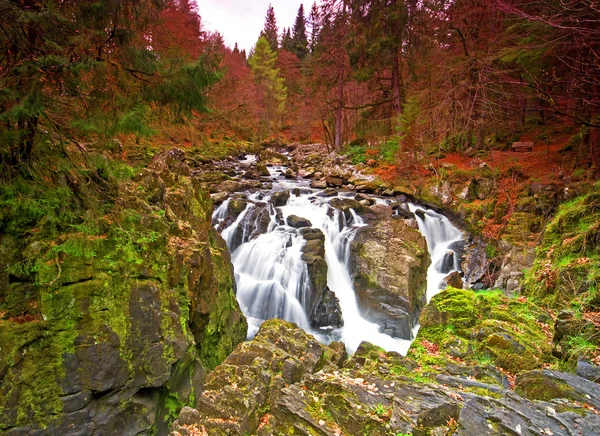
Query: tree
[[271, 31], [314, 23], [271, 86], [569, 85], [286, 40], [299, 40], [70, 69]]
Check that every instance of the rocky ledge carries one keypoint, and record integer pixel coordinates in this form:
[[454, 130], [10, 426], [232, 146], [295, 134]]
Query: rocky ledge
[[286, 382], [122, 324]]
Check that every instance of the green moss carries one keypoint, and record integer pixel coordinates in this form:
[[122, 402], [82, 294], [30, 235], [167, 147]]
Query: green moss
[[566, 265], [481, 327], [536, 386]]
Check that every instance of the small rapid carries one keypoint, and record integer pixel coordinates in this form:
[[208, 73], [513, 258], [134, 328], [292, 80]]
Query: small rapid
[[272, 277]]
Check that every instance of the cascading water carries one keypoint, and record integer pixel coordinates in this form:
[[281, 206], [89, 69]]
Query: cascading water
[[272, 277], [445, 244]]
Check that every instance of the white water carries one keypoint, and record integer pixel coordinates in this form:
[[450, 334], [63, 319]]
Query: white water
[[272, 279], [442, 238]]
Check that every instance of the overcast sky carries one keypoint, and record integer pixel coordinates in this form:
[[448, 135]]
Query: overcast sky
[[242, 20]]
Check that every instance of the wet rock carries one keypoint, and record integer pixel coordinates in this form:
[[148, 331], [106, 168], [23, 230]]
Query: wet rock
[[454, 279], [262, 170], [474, 261], [389, 263], [329, 192], [219, 197], [323, 306], [290, 174], [297, 222], [280, 198]]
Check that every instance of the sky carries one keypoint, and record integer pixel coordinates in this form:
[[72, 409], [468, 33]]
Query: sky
[[242, 20]]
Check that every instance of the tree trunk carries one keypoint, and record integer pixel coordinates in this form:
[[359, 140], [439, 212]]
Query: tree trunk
[[338, 110], [396, 86]]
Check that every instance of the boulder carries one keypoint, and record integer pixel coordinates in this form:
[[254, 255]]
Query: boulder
[[284, 382], [323, 307], [280, 198], [297, 222], [389, 262], [454, 279]]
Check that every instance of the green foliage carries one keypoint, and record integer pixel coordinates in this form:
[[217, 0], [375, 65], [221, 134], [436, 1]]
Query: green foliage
[[266, 76], [356, 154]]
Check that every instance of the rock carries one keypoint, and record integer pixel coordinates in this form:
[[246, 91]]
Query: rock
[[454, 279], [499, 327], [290, 174], [546, 385], [389, 263], [588, 371], [262, 169], [323, 307], [280, 198], [318, 184], [335, 182], [297, 222], [284, 382], [109, 351], [511, 274], [329, 192], [362, 197], [236, 206], [219, 197], [229, 186]]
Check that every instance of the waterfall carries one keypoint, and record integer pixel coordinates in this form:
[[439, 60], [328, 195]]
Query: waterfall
[[272, 278], [445, 244]]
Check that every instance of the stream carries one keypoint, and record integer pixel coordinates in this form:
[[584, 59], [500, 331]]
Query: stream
[[272, 277]]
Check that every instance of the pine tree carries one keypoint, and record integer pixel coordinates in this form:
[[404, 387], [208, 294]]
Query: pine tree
[[314, 23], [271, 31], [266, 76], [286, 42], [299, 40]]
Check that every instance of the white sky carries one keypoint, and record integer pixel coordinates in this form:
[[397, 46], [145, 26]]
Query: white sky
[[242, 20]]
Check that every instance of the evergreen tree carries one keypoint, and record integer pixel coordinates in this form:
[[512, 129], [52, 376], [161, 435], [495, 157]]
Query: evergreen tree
[[266, 76], [271, 31], [299, 40], [76, 69], [287, 42], [314, 23]]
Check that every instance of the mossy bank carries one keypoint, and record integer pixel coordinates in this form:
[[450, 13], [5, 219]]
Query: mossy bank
[[110, 320]]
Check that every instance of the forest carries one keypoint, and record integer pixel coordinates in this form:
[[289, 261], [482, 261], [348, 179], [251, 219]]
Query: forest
[[383, 218]]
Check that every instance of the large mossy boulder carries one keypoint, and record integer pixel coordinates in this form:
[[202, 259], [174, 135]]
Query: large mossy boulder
[[484, 327], [286, 383], [389, 262], [122, 322]]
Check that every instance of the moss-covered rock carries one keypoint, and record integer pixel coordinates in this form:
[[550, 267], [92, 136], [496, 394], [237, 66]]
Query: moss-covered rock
[[286, 383], [484, 327], [127, 316], [389, 262]]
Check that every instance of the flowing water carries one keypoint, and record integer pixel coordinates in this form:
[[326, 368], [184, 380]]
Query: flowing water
[[272, 278]]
